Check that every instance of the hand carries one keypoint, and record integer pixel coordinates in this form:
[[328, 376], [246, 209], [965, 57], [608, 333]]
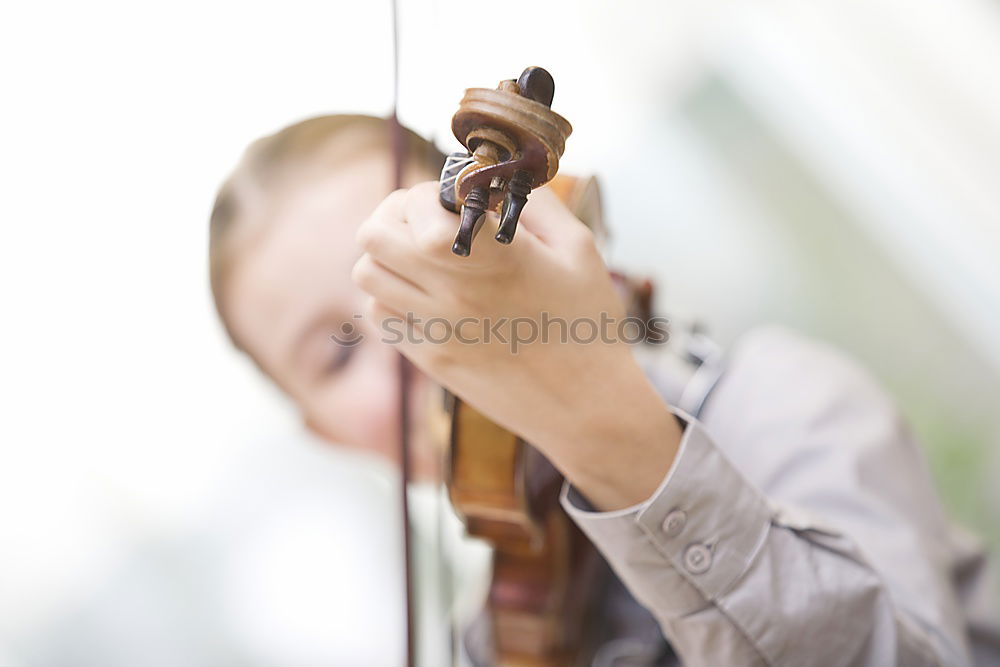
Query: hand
[[586, 405]]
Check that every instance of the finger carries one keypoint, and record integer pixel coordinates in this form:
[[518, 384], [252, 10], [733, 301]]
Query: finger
[[387, 215], [549, 219], [391, 208], [397, 330], [379, 313], [432, 227], [390, 324], [388, 287], [389, 240], [406, 334]]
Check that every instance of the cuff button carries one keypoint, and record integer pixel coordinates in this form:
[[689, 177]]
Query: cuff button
[[697, 558], [673, 524]]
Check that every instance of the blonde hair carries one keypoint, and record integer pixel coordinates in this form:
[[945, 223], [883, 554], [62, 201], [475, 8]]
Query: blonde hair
[[292, 156]]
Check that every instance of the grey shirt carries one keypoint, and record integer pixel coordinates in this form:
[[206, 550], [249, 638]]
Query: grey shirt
[[798, 525]]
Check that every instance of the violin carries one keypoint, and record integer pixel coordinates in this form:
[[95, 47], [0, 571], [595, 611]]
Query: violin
[[546, 573]]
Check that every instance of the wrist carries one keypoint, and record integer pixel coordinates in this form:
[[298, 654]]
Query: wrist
[[625, 444]]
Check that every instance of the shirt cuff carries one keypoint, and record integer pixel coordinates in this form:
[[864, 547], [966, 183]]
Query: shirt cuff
[[705, 522]]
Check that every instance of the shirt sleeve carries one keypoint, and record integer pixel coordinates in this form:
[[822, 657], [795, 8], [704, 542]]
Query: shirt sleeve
[[735, 577]]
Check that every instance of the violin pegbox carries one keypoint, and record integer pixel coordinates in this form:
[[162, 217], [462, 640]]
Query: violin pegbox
[[513, 143]]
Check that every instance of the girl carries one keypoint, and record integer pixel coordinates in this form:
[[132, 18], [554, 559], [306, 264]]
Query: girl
[[790, 522]]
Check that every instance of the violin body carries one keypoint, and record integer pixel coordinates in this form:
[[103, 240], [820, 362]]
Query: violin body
[[544, 570]]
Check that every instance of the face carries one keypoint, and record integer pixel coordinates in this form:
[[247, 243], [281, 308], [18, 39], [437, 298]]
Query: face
[[290, 293]]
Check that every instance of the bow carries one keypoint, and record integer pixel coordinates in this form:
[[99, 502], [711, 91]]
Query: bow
[[405, 369]]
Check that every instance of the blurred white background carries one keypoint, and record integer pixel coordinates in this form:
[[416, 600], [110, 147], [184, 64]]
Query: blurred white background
[[829, 165]]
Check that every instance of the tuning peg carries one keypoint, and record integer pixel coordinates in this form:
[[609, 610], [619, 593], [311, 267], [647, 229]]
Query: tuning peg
[[513, 203], [473, 212], [537, 84]]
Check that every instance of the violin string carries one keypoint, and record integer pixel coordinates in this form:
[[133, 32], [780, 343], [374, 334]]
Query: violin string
[[452, 164]]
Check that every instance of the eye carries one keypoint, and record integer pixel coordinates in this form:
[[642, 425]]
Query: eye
[[341, 355]]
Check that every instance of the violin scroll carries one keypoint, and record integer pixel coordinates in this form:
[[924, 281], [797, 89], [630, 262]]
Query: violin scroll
[[513, 141]]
